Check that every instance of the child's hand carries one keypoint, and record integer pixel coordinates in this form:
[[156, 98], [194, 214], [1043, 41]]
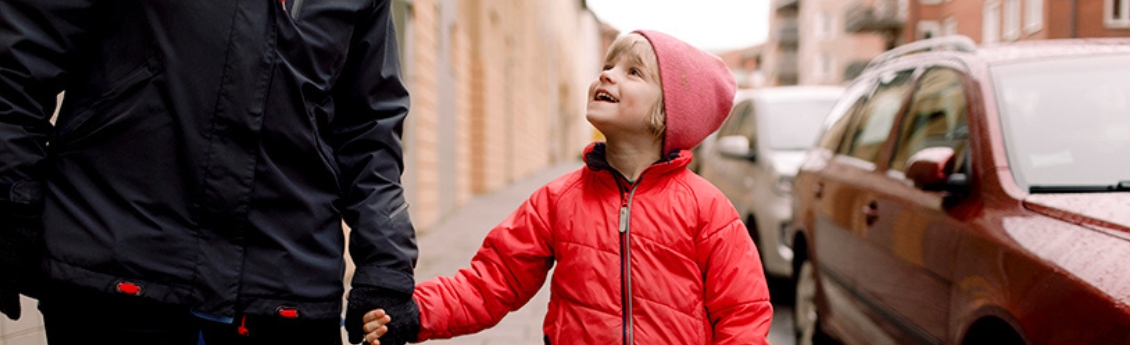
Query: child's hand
[[375, 325]]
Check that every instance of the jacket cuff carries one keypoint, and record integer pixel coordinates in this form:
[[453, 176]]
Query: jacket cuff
[[383, 278]]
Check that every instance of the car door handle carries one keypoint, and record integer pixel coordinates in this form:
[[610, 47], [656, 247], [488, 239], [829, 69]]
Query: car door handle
[[871, 213]]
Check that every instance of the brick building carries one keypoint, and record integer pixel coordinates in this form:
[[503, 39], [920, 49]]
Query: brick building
[[780, 49], [828, 53], [812, 42], [993, 21], [498, 92]]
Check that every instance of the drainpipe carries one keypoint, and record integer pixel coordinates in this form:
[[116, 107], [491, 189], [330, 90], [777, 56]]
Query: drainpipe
[[1074, 18]]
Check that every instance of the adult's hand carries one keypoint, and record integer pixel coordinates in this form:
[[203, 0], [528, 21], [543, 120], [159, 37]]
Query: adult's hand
[[405, 314]]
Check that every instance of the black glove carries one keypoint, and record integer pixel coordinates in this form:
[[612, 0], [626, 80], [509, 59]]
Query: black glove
[[21, 250], [405, 325]]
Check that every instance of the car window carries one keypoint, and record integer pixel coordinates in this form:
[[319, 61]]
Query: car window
[[794, 124], [1066, 122], [871, 124], [840, 116], [936, 117], [734, 122]]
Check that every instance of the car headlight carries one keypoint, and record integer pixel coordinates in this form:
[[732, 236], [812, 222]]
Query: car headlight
[[784, 185]]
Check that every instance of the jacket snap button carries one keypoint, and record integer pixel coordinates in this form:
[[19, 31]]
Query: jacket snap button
[[289, 313], [129, 288]]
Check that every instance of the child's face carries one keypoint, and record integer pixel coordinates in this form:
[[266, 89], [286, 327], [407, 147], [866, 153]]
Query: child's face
[[625, 94]]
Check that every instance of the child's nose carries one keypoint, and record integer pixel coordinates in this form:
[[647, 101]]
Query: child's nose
[[606, 75]]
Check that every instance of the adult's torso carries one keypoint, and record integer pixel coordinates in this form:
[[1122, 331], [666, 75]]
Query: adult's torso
[[189, 157]]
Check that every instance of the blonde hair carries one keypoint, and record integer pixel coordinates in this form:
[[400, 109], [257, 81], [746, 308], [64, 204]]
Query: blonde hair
[[638, 48]]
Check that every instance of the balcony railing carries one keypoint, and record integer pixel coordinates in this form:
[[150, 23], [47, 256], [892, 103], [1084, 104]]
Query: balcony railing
[[784, 4], [788, 33], [883, 16], [787, 64]]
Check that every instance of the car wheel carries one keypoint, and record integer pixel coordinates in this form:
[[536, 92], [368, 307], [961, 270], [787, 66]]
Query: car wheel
[[806, 320]]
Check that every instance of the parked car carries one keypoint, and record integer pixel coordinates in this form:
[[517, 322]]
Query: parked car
[[965, 195], [754, 155]]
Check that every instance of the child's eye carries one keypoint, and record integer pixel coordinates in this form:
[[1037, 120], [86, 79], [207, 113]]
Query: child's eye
[[606, 67], [635, 72]]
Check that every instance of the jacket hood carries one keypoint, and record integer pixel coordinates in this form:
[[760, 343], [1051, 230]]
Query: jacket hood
[[698, 90]]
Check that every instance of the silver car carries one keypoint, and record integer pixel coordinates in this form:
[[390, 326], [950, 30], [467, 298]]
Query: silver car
[[755, 155]]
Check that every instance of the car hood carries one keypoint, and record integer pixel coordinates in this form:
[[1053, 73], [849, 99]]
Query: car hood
[[1106, 210]]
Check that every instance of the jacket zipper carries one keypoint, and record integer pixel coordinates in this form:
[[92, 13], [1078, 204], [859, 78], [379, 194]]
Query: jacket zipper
[[626, 264]]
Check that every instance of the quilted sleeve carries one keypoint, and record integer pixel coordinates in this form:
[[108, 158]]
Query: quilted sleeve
[[508, 270], [737, 296]]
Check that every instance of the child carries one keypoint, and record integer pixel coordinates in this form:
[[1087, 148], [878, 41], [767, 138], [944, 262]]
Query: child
[[647, 252]]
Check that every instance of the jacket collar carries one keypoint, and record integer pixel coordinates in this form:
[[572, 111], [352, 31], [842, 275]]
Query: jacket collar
[[595, 160]]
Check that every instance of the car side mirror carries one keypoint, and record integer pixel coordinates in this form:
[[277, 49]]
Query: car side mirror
[[930, 170], [736, 147]]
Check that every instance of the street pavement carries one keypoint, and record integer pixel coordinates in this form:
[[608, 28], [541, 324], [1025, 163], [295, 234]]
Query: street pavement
[[449, 246]]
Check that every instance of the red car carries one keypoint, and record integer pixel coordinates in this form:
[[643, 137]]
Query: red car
[[971, 195]]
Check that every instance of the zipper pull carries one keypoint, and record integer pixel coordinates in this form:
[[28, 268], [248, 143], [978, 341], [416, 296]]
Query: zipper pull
[[623, 219]]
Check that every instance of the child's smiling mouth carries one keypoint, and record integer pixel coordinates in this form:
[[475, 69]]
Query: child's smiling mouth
[[602, 95]]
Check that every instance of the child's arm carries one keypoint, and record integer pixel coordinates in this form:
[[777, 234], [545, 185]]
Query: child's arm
[[505, 273], [737, 296]]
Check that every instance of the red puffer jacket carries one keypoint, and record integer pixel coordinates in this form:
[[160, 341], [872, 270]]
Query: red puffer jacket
[[693, 275]]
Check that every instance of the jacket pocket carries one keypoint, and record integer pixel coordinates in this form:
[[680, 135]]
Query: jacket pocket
[[130, 84]]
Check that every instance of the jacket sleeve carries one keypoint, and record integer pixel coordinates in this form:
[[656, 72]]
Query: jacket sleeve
[[737, 296], [371, 104], [505, 273], [37, 39]]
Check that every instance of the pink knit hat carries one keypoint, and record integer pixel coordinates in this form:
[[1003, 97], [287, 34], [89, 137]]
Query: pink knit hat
[[698, 90]]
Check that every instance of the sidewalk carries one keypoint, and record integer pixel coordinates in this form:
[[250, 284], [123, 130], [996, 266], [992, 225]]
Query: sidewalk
[[450, 245]]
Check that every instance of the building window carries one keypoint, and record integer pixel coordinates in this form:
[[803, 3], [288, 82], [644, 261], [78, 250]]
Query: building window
[[823, 24], [821, 67], [991, 24], [949, 27], [825, 65], [1116, 13], [1011, 20], [829, 26], [821, 31], [1033, 16]]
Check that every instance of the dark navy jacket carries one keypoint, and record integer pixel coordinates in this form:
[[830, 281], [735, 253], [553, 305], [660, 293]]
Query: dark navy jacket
[[207, 151]]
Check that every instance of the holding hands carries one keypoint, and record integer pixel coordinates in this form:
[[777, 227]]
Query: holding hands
[[375, 326], [375, 312]]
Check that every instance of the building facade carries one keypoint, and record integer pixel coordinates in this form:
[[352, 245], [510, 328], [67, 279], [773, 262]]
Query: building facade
[[828, 54], [994, 21], [781, 47], [498, 92], [813, 42]]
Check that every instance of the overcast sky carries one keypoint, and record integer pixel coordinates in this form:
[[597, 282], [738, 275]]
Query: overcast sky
[[715, 25]]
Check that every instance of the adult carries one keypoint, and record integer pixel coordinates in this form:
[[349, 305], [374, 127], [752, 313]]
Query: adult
[[194, 184]]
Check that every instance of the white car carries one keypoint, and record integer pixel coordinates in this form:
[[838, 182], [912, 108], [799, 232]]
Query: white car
[[754, 156]]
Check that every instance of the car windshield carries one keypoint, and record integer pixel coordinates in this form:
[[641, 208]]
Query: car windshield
[[794, 125], [1066, 122]]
